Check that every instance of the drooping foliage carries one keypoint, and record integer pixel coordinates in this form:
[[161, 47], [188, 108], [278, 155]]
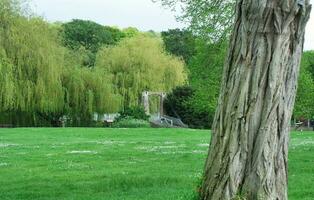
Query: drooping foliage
[[88, 91], [138, 64], [30, 63], [42, 79]]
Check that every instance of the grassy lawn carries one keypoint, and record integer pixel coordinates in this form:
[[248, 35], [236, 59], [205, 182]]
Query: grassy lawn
[[121, 164]]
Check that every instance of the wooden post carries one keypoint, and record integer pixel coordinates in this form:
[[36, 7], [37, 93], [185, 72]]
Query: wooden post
[[145, 96], [162, 98]]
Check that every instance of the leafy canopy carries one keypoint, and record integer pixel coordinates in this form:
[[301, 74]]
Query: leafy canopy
[[41, 77], [304, 106], [90, 35], [210, 19], [139, 64], [180, 43]]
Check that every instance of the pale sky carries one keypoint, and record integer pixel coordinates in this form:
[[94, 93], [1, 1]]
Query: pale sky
[[142, 14]]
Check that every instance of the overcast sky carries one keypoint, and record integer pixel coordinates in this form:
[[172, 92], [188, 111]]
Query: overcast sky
[[142, 14]]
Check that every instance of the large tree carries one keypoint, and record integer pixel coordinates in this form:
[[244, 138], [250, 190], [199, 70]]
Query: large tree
[[248, 153], [139, 63], [40, 80], [180, 43], [88, 37]]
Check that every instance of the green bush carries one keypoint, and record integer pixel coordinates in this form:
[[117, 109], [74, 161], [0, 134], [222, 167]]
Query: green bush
[[136, 112], [179, 104], [130, 122]]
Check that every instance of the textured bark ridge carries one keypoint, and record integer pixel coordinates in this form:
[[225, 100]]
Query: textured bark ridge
[[249, 148]]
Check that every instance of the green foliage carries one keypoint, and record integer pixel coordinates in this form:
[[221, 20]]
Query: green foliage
[[308, 62], [210, 23], [116, 34], [130, 122], [136, 112], [304, 105], [198, 108], [153, 34], [180, 43], [130, 32], [210, 19], [206, 70], [88, 91], [90, 35], [30, 64], [42, 79], [45, 81], [205, 64], [87, 37], [177, 104], [139, 64]]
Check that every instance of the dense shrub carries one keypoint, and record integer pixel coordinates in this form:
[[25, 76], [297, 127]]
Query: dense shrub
[[178, 104], [136, 112], [130, 122]]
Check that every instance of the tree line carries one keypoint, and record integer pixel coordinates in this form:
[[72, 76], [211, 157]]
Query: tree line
[[74, 69]]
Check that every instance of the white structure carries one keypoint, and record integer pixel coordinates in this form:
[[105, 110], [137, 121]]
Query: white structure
[[145, 100]]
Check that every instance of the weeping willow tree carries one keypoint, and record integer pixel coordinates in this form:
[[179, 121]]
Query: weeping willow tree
[[138, 64], [36, 76], [88, 91], [30, 63]]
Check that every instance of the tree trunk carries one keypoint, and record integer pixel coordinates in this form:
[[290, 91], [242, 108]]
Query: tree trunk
[[249, 147]]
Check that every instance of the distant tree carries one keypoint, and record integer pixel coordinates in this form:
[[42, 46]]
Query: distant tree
[[130, 32], [210, 19], [308, 62], [139, 63], [175, 103], [152, 33], [178, 104], [304, 105], [180, 43], [205, 73], [90, 35], [40, 79], [116, 34], [87, 37]]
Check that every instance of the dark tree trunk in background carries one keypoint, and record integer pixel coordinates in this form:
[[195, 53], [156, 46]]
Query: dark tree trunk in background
[[249, 148]]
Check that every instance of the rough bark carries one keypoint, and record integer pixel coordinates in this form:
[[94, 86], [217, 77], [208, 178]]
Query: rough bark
[[249, 148]]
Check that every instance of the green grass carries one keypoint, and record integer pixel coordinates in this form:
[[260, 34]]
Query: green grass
[[121, 164]]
